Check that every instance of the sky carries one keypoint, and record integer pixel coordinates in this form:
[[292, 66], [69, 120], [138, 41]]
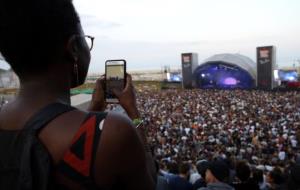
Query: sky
[[151, 34]]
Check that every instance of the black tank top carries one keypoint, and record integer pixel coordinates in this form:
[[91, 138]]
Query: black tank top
[[25, 162]]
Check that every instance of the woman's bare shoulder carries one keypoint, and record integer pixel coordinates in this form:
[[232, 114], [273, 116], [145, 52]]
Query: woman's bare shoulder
[[120, 152]]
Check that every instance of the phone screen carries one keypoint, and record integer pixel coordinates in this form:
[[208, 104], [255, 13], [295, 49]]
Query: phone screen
[[115, 71]]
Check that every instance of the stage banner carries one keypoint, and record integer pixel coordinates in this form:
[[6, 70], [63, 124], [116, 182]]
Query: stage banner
[[189, 64], [265, 66]]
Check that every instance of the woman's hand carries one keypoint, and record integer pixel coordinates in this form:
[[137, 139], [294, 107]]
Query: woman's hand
[[127, 98], [98, 99]]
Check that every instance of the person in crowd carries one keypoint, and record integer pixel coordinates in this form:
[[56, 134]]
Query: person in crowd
[[162, 183], [275, 180], [202, 166], [45, 45], [258, 178], [173, 167], [180, 181], [293, 182], [243, 174], [194, 174], [216, 176]]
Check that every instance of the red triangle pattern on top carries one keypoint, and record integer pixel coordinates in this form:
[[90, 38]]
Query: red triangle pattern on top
[[83, 166]]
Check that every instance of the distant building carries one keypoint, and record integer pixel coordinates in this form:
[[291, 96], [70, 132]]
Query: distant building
[[151, 75]]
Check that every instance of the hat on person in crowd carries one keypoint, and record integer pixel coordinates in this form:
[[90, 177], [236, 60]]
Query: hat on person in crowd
[[202, 166], [219, 169]]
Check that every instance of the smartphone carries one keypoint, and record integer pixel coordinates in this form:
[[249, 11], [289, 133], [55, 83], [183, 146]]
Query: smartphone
[[115, 78]]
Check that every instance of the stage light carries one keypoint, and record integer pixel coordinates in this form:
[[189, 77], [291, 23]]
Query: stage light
[[176, 79], [291, 78], [230, 81], [216, 75]]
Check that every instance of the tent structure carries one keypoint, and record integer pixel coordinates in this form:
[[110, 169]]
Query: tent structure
[[8, 78], [226, 71], [3, 64]]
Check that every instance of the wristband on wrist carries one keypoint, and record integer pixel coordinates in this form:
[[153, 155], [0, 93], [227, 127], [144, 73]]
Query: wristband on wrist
[[137, 122]]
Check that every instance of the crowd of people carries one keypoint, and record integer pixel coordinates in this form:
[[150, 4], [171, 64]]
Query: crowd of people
[[255, 130], [245, 139]]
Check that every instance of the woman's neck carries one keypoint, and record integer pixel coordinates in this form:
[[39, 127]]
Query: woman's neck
[[45, 90]]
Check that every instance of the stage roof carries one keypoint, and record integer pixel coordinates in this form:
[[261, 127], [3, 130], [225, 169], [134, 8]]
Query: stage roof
[[234, 59]]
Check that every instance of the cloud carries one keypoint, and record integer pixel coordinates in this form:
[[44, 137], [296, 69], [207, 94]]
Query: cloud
[[91, 21], [151, 33]]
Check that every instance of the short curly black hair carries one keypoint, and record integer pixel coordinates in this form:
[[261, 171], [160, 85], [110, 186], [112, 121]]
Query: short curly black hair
[[33, 32]]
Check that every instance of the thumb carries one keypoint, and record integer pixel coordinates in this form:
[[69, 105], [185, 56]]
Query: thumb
[[128, 82], [100, 83]]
